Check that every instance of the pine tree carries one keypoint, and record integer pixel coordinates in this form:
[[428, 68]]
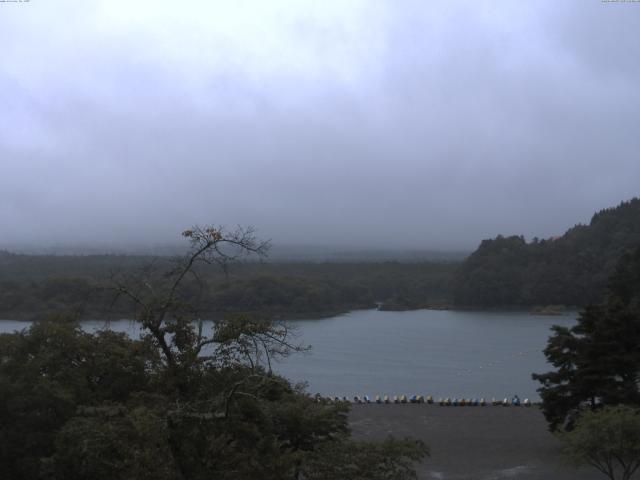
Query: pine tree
[[598, 360]]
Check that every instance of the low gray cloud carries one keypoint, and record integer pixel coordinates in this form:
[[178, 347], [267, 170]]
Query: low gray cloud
[[401, 124]]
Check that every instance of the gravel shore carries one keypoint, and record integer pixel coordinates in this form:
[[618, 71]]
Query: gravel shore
[[472, 443]]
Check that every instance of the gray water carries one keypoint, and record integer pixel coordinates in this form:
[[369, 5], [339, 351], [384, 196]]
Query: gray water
[[428, 352]]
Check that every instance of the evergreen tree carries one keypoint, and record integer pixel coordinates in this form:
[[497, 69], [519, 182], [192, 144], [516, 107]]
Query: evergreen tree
[[598, 360]]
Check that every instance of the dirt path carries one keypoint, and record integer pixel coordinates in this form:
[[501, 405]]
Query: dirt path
[[483, 443]]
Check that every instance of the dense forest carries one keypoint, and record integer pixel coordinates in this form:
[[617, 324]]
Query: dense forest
[[567, 270], [507, 271], [31, 285]]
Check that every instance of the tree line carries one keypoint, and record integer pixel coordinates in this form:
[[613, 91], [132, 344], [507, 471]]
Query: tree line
[[569, 270], [31, 286]]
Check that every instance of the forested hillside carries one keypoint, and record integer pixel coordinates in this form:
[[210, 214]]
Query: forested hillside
[[33, 285], [568, 270]]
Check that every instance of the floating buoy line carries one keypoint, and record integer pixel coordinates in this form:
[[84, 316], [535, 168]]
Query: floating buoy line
[[429, 400]]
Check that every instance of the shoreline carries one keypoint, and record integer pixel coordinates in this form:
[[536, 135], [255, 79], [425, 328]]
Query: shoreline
[[22, 316]]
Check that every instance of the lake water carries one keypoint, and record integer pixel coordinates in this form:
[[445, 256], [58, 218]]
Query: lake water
[[428, 352]]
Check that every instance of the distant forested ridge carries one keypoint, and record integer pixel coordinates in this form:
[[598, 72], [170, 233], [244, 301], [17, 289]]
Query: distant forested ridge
[[33, 285], [570, 270], [567, 270]]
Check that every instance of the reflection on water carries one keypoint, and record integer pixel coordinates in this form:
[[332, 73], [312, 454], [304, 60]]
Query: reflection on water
[[428, 352]]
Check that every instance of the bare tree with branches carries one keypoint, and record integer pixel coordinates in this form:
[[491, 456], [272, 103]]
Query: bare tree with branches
[[173, 323]]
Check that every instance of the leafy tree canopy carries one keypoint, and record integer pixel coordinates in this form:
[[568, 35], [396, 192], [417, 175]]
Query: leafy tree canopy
[[608, 440], [178, 403]]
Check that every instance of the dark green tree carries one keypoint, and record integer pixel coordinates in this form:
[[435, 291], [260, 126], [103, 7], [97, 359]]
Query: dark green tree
[[179, 403], [598, 360], [607, 440], [48, 372]]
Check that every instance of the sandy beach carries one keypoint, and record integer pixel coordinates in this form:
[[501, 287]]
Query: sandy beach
[[472, 443]]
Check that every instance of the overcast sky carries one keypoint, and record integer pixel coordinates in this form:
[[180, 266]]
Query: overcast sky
[[375, 123]]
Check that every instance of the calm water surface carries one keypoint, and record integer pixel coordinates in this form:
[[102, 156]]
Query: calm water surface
[[429, 352]]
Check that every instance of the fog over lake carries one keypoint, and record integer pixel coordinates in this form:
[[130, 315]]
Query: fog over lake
[[429, 352]]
